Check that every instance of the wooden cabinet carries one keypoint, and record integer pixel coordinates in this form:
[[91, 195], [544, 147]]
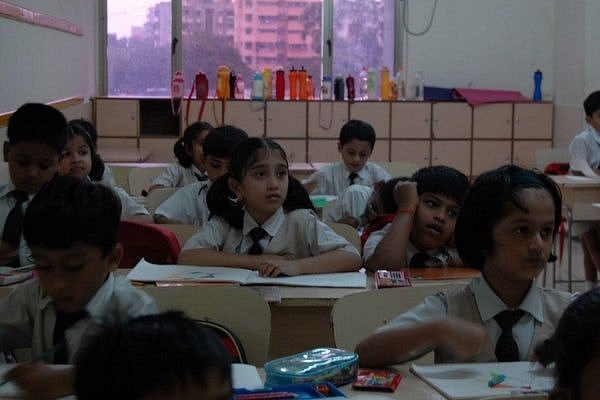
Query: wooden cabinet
[[323, 150], [451, 121], [286, 119], [246, 115], [414, 151], [326, 118], [492, 121], [533, 121], [117, 117], [295, 149], [376, 113], [453, 153], [524, 151], [212, 112], [410, 120], [489, 154]]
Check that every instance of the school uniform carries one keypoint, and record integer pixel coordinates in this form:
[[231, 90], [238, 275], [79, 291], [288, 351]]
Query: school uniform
[[129, 207], [28, 316], [335, 177], [477, 302], [7, 202], [299, 233], [586, 145], [187, 205], [443, 256], [351, 201], [108, 178], [177, 176]]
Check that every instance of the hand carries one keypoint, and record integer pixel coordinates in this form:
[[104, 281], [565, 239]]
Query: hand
[[41, 381], [405, 194], [349, 220], [464, 338], [272, 269]]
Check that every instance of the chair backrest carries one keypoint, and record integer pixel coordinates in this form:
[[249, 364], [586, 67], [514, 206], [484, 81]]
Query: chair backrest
[[140, 178], [183, 232], [230, 340], [347, 232], [399, 168], [157, 197], [241, 309], [157, 245], [543, 157], [357, 315]]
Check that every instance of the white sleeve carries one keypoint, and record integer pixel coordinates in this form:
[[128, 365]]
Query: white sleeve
[[433, 306], [372, 242], [170, 177], [181, 206], [129, 207], [210, 236]]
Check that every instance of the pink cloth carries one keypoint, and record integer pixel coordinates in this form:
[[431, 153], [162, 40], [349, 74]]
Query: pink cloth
[[481, 96]]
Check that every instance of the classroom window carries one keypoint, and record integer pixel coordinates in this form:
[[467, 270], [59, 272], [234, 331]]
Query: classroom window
[[246, 36]]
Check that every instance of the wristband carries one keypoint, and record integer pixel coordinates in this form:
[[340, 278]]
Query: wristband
[[405, 210]]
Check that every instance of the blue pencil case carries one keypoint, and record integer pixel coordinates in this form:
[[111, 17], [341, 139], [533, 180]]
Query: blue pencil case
[[337, 366]]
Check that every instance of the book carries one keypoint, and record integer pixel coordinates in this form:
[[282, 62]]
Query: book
[[152, 273], [10, 275], [477, 380], [380, 380]]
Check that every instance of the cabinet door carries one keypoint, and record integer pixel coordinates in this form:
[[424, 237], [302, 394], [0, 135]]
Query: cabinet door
[[533, 121], [161, 149], [212, 113], [524, 151], [247, 115], [286, 119], [295, 149], [453, 153], [323, 150], [326, 118], [376, 113], [451, 121], [117, 117], [488, 154], [414, 151], [410, 120], [492, 121]]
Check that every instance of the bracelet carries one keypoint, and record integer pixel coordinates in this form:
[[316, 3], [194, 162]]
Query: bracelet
[[405, 210]]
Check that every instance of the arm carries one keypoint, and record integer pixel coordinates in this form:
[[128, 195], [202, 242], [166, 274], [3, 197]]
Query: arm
[[333, 261], [7, 254], [161, 219], [154, 187], [41, 381], [207, 256]]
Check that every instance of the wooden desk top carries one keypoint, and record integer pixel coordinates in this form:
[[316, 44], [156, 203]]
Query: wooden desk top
[[575, 181]]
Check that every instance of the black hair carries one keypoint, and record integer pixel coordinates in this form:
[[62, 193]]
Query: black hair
[[149, 354], [359, 130], [221, 200], [442, 180], [89, 128], [386, 195], [76, 128], [36, 122], [68, 210], [592, 103], [183, 147], [575, 342], [487, 203], [221, 141]]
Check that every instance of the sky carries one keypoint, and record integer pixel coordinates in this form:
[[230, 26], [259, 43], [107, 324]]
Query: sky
[[123, 14]]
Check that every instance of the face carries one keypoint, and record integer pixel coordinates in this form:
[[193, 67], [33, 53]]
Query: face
[[594, 120], [197, 152], [215, 388], [30, 164], [72, 276], [355, 154], [264, 187], [435, 218], [76, 159], [522, 241], [216, 167]]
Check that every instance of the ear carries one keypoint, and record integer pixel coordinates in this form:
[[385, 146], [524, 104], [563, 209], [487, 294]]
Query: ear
[[588, 119], [113, 259], [6, 149], [237, 188], [339, 147]]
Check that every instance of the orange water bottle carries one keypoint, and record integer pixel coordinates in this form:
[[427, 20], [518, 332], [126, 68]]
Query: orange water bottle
[[384, 84], [293, 76], [222, 82], [302, 77], [267, 84]]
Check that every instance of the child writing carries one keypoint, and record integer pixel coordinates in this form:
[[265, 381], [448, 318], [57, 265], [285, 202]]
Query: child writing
[[506, 229], [71, 227], [420, 233], [265, 224], [190, 166], [188, 204], [79, 158], [163, 356], [36, 136], [356, 142]]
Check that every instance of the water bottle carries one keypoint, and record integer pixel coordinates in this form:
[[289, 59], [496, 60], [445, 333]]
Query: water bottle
[[363, 80], [350, 87], [372, 83], [338, 88], [400, 84], [537, 81], [240, 87], [280, 84], [419, 86], [222, 82], [293, 76], [384, 84], [310, 88], [232, 79], [267, 84], [257, 87], [302, 77], [326, 88]]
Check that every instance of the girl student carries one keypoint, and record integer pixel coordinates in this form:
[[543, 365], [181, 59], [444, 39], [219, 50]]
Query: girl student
[[505, 229], [79, 158], [263, 221], [190, 166]]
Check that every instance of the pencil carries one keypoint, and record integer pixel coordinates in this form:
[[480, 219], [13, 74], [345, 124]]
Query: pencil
[[266, 396], [40, 357]]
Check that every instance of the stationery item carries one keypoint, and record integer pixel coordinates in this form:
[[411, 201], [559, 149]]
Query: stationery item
[[245, 376], [151, 273], [318, 390], [389, 279], [381, 380], [477, 380], [9, 275]]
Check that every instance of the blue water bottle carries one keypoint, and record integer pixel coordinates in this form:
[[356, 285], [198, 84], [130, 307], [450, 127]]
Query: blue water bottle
[[537, 81]]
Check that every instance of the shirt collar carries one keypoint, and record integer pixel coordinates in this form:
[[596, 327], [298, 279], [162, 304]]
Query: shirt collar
[[441, 253], [204, 186], [271, 226], [360, 172]]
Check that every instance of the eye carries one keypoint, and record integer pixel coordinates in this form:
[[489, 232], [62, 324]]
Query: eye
[[432, 203], [453, 214], [282, 173], [546, 232], [363, 154], [521, 230]]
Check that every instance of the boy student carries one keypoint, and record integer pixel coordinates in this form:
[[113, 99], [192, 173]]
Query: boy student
[[356, 142], [421, 231], [586, 146], [188, 204], [36, 136], [71, 226], [163, 356]]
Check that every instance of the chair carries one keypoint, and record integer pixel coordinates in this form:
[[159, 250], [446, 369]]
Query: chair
[[399, 168], [357, 315], [140, 178], [157, 197], [230, 340], [155, 244], [183, 232], [347, 232], [543, 157], [241, 309]]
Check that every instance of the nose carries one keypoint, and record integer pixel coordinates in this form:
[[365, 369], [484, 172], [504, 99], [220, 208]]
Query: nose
[[537, 242]]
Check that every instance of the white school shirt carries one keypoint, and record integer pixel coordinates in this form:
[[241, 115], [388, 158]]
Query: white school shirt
[[333, 178], [7, 202], [586, 145], [299, 233], [351, 201], [129, 207], [108, 177], [28, 316], [187, 205], [177, 176]]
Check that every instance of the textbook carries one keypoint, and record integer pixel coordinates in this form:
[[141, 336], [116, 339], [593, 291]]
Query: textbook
[[477, 380], [152, 273], [9, 275]]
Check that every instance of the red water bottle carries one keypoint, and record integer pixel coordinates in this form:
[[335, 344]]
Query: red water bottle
[[279, 84], [350, 87]]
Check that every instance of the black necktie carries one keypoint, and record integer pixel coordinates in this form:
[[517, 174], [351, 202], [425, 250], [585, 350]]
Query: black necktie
[[64, 321], [506, 346], [419, 259], [352, 177], [257, 234], [13, 225]]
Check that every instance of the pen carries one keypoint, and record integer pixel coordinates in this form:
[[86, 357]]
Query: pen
[[265, 396], [40, 357]]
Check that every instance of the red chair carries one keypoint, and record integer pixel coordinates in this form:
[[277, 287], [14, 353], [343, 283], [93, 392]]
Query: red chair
[[151, 242], [230, 341]]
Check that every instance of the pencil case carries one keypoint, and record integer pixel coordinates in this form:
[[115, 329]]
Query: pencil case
[[321, 364]]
